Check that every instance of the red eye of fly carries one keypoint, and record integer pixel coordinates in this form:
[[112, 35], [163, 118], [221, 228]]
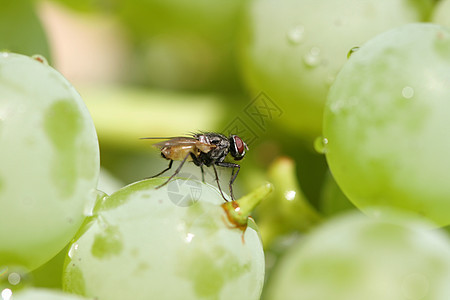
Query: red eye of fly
[[239, 144]]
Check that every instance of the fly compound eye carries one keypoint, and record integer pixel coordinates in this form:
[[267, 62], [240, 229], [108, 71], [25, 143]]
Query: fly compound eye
[[238, 147]]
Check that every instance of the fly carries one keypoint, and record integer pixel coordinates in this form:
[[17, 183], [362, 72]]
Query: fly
[[204, 149]]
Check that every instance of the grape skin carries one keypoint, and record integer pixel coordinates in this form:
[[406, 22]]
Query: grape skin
[[292, 50], [387, 120], [150, 244], [354, 257], [50, 161]]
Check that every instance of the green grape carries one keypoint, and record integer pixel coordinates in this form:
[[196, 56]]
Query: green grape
[[39, 294], [354, 257], [292, 49], [387, 122], [49, 160], [441, 14], [170, 243]]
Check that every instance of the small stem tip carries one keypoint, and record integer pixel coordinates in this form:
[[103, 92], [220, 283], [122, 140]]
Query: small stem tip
[[238, 211]]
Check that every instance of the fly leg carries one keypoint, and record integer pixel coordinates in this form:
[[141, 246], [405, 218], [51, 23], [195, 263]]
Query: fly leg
[[203, 173], [233, 174], [218, 184], [199, 163], [163, 171], [233, 178], [175, 173]]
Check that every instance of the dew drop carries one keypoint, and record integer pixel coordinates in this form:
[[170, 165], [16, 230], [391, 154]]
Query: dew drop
[[189, 237], [407, 92], [289, 195], [14, 278], [6, 294], [351, 51], [321, 145], [295, 35], [4, 54], [72, 250], [312, 58], [40, 59], [95, 200]]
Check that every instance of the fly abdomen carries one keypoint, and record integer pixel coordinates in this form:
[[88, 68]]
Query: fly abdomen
[[177, 152]]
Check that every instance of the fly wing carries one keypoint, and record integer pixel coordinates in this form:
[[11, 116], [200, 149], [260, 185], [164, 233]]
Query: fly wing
[[204, 147], [176, 141], [182, 141]]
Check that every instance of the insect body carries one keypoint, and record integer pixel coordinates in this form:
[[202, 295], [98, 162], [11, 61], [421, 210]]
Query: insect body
[[204, 149]]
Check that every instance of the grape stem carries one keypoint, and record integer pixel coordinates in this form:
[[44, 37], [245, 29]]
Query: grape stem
[[239, 211]]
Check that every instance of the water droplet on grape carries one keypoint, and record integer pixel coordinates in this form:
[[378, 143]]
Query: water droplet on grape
[[6, 294], [72, 250], [189, 237], [351, 51], [321, 145], [40, 59], [407, 92], [95, 200], [312, 58], [14, 278], [4, 54], [289, 195], [295, 35]]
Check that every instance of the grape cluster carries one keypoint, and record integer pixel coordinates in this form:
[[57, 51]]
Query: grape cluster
[[365, 76]]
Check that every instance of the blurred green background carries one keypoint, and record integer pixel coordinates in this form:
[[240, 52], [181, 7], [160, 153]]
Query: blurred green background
[[258, 69]]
